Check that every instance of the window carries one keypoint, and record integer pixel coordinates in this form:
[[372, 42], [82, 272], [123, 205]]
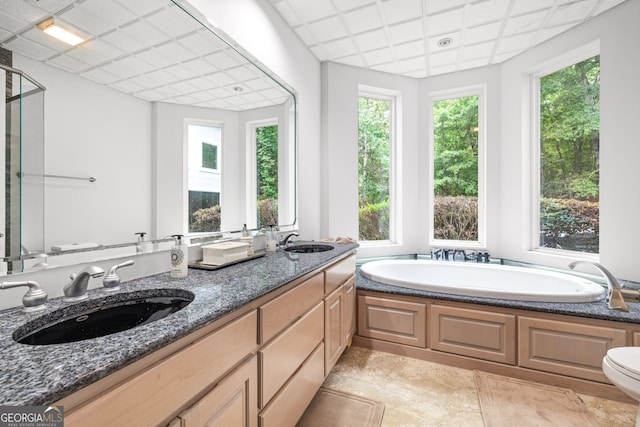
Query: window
[[568, 137], [457, 184], [375, 141], [204, 212], [262, 166]]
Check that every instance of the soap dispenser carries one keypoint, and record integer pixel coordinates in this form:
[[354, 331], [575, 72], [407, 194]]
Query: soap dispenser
[[179, 258], [143, 246]]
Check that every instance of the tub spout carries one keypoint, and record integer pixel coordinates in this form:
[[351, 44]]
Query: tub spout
[[615, 298]]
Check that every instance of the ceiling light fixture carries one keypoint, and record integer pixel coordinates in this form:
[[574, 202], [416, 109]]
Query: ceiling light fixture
[[238, 88], [52, 28], [445, 42]]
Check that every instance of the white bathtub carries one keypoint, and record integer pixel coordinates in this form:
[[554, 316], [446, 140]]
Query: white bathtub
[[484, 280]]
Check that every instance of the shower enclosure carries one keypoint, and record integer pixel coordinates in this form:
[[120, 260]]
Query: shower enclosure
[[23, 209]]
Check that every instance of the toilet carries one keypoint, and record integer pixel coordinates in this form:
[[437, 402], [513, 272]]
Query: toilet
[[622, 366]]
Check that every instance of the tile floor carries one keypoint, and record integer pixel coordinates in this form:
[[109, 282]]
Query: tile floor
[[420, 393]]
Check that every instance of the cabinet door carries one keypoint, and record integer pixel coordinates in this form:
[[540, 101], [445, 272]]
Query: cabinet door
[[333, 329], [394, 320], [567, 348], [349, 310], [475, 333], [233, 402]]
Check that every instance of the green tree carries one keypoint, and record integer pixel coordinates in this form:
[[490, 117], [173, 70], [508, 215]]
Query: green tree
[[455, 130], [374, 127], [267, 162]]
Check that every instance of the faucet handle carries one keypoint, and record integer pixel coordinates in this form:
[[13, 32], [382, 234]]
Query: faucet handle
[[35, 298], [111, 281]]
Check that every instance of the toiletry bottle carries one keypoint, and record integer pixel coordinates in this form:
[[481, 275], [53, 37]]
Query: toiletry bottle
[[143, 246], [272, 243], [245, 232], [179, 258]]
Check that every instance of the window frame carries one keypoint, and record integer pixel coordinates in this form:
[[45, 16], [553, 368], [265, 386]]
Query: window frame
[[549, 67], [481, 92], [395, 158]]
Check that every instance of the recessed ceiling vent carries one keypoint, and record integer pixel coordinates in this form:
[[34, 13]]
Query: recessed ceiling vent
[[445, 42]]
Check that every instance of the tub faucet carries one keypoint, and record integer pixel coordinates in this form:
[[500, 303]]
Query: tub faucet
[[614, 293], [76, 289]]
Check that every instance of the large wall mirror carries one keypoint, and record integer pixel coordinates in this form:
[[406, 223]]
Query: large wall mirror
[[156, 123]]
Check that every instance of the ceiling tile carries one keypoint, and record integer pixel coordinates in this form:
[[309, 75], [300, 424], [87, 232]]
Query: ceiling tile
[[172, 24], [572, 12], [328, 29], [175, 51], [120, 38], [313, 10], [515, 43], [482, 33], [22, 11], [346, 5], [525, 23], [445, 22], [84, 21], [319, 53], [144, 33], [10, 23], [154, 57], [288, 13], [126, 86], [547, 33], [443, 58], [364, 19], [141, 7], [525, 6], [475, 63], [478, 51], [95, 52], [387, 68], [411, 64], [401, 10], [450, 68], [68, 63], [222, 60], [355, 60], [29, 48], [306, 36], [108, 11], [100, 76], [433, 42], [200, 43], [435, 6], [607, 4], [487, 11], [379, 56], [340, 48], [409, 50], [407, 31], [372, 40]]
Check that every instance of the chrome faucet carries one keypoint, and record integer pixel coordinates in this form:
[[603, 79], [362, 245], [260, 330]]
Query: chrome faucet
[[111, 281], [615, 299], [76, 290], [35, 298], [285, 241]]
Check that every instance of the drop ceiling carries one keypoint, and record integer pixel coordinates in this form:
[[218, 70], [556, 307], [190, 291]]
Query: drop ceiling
[[421, 38], [146, 48]]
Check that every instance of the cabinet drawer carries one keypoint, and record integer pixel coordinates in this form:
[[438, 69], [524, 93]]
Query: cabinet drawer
[[233, 402], [284, 355], [150, 397], [288, 307], [289, 405], [399, 321], [475, 333], [337, 274], [567, 348]]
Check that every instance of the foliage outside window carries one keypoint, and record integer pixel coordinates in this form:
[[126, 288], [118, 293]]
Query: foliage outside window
[[267, 175], [374, 144], [455, 168], [569, 157], [204, 209], [209, 156]]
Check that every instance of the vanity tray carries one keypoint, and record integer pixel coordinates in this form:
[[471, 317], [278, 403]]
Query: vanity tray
[[202, 266]]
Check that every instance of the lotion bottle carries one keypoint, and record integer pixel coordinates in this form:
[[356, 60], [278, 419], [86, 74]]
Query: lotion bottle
[[179, 258]]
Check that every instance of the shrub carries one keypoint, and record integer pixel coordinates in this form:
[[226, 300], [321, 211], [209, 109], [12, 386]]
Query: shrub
[[206, 219], [455, 217], [569, 224], [267, 212], [374, 222]]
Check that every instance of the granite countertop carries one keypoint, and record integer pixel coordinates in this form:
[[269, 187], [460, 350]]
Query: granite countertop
[[594, 310], [39, 375]]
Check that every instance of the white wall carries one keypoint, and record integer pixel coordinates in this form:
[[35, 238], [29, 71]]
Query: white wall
[[618, 33], [340, 93], [258, 28], [92, 130]]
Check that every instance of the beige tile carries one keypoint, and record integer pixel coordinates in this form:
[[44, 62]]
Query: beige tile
[[420, 393]]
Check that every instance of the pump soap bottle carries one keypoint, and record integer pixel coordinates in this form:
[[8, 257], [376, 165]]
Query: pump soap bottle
[[143, 246], [179, 258]]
